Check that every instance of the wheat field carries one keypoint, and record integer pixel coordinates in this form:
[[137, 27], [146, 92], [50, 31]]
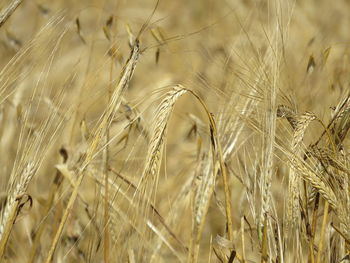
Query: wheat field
[[174, 131]]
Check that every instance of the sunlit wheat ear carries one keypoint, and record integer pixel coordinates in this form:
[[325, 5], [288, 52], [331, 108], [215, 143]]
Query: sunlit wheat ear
[[150, 176], [324, 190], [311, 177], [342, 121], [98, 135], [155, 149], [339, 129], [301, 124], [339, 132], [327, 158]]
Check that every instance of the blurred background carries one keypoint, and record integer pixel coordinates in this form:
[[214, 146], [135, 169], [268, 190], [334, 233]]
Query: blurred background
[[60, 61]]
